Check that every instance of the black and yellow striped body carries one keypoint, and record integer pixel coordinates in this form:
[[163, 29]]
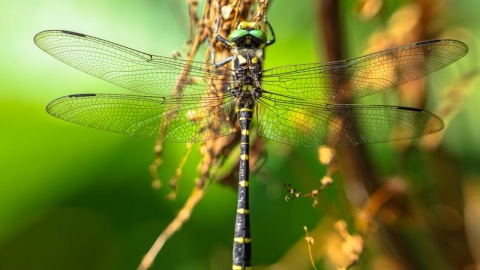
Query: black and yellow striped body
[[247, 89], [246, 43], [247, 66], [242, 246]]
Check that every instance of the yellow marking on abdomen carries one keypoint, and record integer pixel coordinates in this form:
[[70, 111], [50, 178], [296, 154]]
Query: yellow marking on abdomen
[[245, 132], [244, 157], [243, 211], [243, 183], [242, 240]]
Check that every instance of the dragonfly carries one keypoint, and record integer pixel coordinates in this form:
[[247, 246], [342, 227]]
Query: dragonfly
[[304, 105]]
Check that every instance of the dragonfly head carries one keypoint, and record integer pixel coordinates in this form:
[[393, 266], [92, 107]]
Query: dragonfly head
[[248, 34]]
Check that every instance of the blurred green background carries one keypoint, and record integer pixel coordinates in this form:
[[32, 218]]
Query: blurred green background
[[77, 198]]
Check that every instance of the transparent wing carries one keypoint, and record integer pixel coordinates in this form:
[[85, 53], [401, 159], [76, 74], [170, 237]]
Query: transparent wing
[[306, 124], [125, 67], [175, 118], [365, 75]]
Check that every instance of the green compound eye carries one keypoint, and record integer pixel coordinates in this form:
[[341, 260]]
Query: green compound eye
[[258, 34], [237, 33]]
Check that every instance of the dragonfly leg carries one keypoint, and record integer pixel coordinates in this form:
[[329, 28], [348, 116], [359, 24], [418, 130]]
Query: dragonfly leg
[[271, 41], [222, 40]]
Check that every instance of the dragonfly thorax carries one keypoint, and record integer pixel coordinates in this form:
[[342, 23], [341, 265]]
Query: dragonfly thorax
[[247, 68]]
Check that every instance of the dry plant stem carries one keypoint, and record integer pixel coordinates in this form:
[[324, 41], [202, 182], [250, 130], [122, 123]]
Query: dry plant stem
[[156, 163], [310, 242], [198, 191], [197, 41], [178, 173], [174, 226], [192, 8]]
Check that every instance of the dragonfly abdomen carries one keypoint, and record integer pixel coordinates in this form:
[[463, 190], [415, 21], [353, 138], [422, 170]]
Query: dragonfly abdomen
[[242, 246]]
